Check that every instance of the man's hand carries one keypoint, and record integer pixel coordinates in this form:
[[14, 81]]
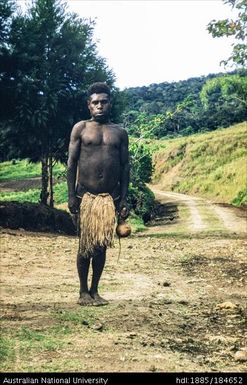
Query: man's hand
[[123, 209], [74, 204]]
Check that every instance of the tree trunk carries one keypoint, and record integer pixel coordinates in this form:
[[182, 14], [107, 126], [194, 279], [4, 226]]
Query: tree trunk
[[51, 193], [44, 190]]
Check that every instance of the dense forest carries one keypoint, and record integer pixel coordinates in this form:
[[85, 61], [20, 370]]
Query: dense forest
[[179, 108]]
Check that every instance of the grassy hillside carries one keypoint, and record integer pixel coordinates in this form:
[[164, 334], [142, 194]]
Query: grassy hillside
[[211, 165]]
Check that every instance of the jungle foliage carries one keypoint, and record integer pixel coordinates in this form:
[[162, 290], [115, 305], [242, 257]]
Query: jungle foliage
[[186, 107]]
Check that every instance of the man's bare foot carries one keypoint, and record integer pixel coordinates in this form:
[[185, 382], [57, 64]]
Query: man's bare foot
[[98, 300], [85, 300]]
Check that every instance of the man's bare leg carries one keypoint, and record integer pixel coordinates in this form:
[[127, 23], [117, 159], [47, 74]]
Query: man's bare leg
[[83, 264], [98, 263]]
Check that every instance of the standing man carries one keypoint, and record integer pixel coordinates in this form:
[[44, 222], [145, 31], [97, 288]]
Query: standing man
[[98, 179]]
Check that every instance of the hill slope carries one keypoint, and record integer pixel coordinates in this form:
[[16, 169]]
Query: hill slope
[[211, 165], [184, 96]]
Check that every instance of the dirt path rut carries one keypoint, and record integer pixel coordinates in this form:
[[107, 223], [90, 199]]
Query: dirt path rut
[[197, 206]]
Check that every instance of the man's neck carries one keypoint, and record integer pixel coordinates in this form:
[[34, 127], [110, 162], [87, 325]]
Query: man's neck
[[101, 119]]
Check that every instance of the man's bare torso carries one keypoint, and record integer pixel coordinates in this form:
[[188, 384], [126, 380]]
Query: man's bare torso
[[99, 163]]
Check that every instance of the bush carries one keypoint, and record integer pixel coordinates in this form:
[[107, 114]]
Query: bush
[[140, 197], [240, 199], [141, 200], [141, 163]]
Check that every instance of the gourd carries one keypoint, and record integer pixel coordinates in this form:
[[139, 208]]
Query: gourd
[[123, 229]]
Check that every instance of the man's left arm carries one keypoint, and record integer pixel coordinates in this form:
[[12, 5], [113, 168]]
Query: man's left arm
[[125, 175]]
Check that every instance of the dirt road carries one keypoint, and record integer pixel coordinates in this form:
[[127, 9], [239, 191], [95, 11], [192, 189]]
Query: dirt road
[[203, 215], [177, 298]]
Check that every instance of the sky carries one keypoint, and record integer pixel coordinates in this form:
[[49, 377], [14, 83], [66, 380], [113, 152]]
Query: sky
[[155, 41]]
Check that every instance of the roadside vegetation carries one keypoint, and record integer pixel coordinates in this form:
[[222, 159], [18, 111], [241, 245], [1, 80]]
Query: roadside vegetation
[[211, 165]]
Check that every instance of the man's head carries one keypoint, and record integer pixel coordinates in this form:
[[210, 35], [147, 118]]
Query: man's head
[[99, 102]]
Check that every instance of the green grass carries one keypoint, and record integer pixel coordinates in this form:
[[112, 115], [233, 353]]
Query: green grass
[[33, 195], [30, 348], [18, 346], [19, 169], [38, 341], [136, 223], [211, 165], [23, 169], [81, 319], [6, 349], [21, 346], [61, 193], [241, 198]]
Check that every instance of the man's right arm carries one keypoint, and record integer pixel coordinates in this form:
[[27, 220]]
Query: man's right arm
[[74, 153]]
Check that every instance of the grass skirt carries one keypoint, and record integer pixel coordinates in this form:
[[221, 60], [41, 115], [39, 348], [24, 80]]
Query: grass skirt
[[97, 222]]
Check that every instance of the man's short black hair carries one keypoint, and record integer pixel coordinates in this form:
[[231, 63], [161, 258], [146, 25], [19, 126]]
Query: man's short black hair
[[99, 88]]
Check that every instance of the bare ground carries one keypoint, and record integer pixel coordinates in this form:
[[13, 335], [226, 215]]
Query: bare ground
[[20, 184], [177, 298]]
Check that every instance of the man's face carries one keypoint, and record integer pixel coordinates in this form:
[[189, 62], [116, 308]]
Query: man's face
[[99, 106]]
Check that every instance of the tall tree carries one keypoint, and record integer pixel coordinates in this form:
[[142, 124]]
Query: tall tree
[[55, 61], [236, 28], [232, 87], [7, 9]]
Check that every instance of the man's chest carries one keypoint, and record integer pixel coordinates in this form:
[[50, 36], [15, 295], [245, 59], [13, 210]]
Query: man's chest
[[93, 136]]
